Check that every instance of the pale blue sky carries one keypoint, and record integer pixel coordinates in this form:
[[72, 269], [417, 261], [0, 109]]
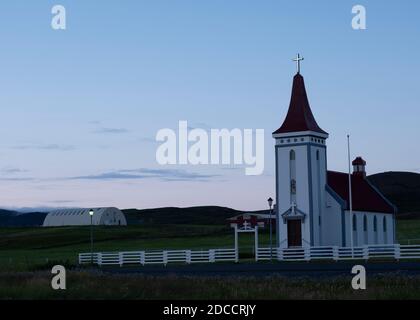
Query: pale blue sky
[[80, 107]]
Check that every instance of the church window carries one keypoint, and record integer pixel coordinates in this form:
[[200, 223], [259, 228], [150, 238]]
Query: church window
[[295, 140], [302, 139], [292, 165], [365, 223], [384, 224], [292, 155], [319, 220], [317, 155], [354, 223], [375, 224], [281, 141]]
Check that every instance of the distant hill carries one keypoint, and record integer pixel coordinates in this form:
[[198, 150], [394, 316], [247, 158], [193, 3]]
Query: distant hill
[[402, 189], [10, 218], [205, 215]]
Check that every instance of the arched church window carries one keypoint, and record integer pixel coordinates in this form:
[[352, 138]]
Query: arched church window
[[364, 223], [354, 223], [292, 155], [292, 164], [317, 154], [384, 224], [375, 224]]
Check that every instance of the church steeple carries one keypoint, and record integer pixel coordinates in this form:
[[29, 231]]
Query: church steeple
[[299, 116]]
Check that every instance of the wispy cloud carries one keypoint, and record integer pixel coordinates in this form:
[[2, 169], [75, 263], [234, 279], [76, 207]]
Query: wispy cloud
[[16, 179], [145, 173], [111, 130], [46, 147], [12, 170]]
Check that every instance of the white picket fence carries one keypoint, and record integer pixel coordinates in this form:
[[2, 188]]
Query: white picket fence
[[393, 251], [159, 257]]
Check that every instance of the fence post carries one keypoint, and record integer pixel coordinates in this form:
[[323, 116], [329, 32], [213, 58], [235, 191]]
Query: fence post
[[397, 252], [188, 256], [307, 253], [212, 257], [121, 259], [98, 258], [280, 255], [366, 252], [142, 257], [165, 257], [335, 253]]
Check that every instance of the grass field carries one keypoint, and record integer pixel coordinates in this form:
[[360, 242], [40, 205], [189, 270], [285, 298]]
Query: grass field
[[30, 248], [27, 254], [26, 249], [83, 285]]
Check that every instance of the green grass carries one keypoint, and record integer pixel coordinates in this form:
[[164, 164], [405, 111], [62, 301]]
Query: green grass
[[28, 248], [408, 229]]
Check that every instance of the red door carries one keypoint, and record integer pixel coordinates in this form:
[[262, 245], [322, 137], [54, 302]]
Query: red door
[[294, 233]]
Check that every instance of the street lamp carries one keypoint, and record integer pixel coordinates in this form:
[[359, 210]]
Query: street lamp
[[270, 204], [91, 212]]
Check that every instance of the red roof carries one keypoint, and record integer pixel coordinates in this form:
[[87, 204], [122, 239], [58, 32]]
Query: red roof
[[365, 196], [299, 116], [359, 162]]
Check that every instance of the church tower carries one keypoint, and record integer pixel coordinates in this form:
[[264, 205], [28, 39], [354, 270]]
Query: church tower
[[301, 172]]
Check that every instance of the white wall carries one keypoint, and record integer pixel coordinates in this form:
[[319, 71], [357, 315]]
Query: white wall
[[372, 238], [332, 222], [302, 189]]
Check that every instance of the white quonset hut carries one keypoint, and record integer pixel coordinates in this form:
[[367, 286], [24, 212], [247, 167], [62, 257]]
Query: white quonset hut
[[80, 217]]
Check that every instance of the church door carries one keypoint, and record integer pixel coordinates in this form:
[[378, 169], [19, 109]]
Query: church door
[[294, 233]]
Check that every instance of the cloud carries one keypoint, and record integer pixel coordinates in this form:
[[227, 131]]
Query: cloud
[[145, 173], [46, 147], [16, 179], [111, 130], [12, 170]]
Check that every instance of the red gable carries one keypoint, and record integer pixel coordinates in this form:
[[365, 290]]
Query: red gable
[[365, 196], [299, 116]]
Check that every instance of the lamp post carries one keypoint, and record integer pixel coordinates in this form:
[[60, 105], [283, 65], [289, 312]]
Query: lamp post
[[91, 212], [270, 204]]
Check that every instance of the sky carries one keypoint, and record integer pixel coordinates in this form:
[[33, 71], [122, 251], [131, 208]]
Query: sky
[[80, 108]]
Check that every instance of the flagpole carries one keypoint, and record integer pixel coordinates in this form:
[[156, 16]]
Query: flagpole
[[350, 198]]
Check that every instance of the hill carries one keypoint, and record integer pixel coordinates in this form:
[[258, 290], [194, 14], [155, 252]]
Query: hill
[[402, 189], [15, 219], [205, 215]]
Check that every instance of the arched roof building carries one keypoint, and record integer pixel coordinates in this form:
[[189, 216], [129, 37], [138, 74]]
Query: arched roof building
[[109, 216]]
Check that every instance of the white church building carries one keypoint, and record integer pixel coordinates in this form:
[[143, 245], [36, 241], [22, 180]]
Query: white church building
[[313, 204]]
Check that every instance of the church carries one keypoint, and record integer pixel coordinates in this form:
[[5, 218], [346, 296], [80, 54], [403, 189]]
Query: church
[[314, 205]]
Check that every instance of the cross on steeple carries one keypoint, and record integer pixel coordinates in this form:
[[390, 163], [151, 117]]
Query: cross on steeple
[[298, 59]]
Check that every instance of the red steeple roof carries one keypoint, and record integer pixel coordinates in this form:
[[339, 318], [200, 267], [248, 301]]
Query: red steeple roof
[[299, 116]]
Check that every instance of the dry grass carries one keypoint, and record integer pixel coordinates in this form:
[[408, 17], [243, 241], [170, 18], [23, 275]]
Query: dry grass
[[84, 285]]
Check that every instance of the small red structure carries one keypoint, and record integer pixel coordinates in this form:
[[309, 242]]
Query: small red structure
[[251, 220]]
